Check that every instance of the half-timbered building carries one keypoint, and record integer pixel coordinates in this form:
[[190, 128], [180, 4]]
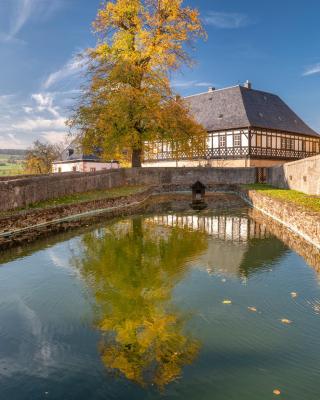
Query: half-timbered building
[[246, 127]]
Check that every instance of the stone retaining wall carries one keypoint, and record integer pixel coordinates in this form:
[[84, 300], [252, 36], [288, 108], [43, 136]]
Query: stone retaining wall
[[20, 192], [302, 175], [304, 223]]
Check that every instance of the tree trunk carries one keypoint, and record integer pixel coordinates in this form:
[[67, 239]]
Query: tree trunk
[[136, 158]]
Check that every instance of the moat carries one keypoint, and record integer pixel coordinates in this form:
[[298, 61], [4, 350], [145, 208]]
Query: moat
[[172, 304]]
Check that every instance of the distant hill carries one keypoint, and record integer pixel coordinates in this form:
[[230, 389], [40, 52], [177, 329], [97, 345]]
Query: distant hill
[[13, 152]]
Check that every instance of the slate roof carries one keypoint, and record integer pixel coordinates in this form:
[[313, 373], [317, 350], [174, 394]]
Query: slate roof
[[240, 107], [74, 153]]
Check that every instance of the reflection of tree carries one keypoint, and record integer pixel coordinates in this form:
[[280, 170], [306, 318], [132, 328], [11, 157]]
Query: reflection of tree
[[133, 269]]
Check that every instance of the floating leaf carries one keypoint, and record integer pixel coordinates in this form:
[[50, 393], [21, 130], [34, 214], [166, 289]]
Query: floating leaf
[[253, 309], [227, 302], [294, 295], [286, 321], [277, 392]]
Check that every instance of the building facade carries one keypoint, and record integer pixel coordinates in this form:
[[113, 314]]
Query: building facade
[[74, 160], [246, 127]]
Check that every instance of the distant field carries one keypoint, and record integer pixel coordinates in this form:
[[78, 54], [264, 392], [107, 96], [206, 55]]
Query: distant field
[[11, 164]]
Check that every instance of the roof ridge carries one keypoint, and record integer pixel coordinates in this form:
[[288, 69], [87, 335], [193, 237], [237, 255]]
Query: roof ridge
[[215, 90]]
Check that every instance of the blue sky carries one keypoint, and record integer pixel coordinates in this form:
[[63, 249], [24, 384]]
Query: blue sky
[[275, 44]]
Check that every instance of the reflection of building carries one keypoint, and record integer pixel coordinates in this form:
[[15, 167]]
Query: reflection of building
[[224, 227], [74, 160], [245, 127], [239, 245]]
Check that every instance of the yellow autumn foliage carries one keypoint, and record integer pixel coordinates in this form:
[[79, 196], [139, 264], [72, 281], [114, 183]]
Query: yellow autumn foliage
[[128, 102]]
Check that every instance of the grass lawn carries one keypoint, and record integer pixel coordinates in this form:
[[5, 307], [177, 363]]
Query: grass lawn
[[88, 196], [11, 169], [7, 167], [311, 203]]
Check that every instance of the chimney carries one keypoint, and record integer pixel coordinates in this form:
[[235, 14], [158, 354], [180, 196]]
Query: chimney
[[211, 89], [248, 84]]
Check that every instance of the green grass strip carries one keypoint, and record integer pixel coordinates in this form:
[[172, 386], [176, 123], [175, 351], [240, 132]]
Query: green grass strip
[[309, 202]]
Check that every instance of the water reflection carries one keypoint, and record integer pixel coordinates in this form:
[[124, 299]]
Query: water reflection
[[295, 242], [132, 268], [237, 245]]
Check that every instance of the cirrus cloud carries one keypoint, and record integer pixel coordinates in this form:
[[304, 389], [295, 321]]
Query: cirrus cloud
[[71, 69], [227, 20], [312, 70]]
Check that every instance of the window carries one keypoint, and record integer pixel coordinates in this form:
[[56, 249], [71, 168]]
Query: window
[[59, 169], [92, 170], [222, 141], [287, 143], [259, 141], [314, 147], [269, 141], [74, 169], [209, 142], [290, 144], [237, 140]]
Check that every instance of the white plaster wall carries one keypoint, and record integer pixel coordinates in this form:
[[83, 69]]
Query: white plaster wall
[[83, 166]]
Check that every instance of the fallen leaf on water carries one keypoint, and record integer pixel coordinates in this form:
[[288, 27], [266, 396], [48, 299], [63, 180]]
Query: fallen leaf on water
[[286, 321], [277, 392], [294, 295], [316, 309], [253, 309], [227, 302], [223, 280]]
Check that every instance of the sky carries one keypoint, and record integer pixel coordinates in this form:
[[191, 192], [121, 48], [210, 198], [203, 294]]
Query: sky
[[274, 44]]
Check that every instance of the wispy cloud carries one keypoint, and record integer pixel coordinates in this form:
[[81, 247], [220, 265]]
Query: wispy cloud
[[71, 69], [227, 20], [25, 10], [40, 124], [45, 103], [22, 14], [40, 116], [312, 70], [190, 84]]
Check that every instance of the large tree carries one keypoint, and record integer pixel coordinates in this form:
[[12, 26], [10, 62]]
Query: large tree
[[128, 103]]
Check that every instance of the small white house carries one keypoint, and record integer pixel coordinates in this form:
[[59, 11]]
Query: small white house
[[73, 160]]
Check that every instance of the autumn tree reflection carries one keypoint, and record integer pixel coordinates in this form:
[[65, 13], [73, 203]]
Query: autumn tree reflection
[[133, 268]]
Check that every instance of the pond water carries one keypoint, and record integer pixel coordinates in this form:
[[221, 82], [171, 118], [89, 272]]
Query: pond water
[[168, 305]]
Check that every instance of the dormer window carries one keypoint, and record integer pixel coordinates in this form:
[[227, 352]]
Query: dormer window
[[220, 116]]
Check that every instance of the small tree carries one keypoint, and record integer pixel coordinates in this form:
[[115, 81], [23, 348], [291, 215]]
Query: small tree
[[40, 156], [128, 103]]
